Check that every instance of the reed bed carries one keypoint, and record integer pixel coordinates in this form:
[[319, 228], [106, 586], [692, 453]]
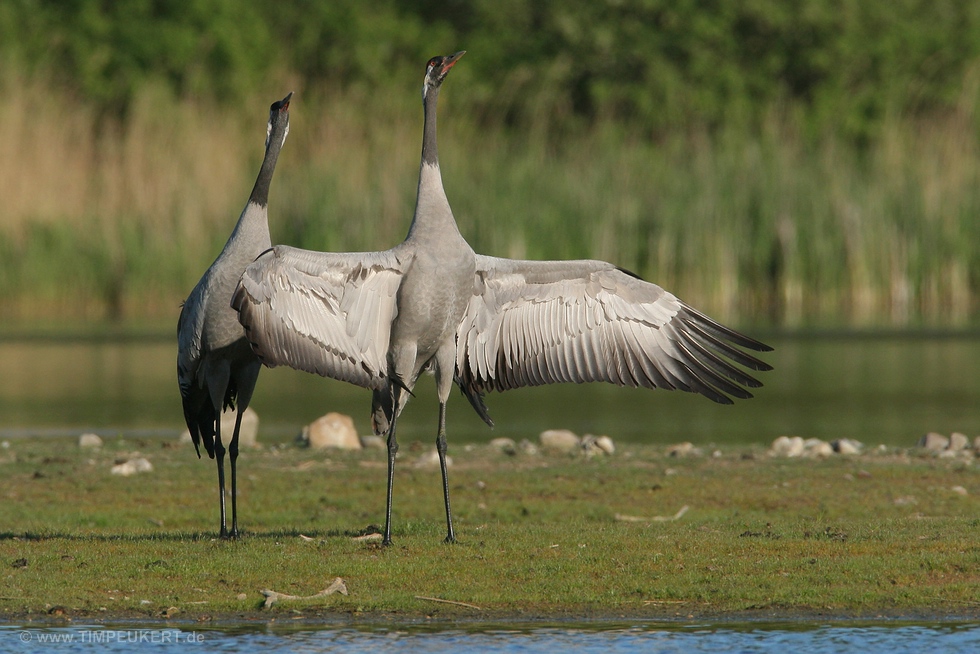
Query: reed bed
[[116, 219]]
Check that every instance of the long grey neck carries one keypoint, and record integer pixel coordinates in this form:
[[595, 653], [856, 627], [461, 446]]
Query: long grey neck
[[260, 192], [432, 212], [430, 148], [251, 234]]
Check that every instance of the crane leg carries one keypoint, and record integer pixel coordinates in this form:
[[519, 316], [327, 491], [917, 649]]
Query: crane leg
[[441, 449], [233, 456], [219, 455], [392, 451]]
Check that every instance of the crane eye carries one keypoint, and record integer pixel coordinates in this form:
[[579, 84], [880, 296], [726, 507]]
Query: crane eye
[[435, 61]]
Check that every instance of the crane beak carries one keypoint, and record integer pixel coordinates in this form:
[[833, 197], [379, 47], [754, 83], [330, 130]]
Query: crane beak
[[284, 103], [451, 60]]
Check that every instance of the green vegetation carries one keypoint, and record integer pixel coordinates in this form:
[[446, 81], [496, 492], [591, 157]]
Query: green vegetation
[[539, 536], [789, 163], [656, 64]]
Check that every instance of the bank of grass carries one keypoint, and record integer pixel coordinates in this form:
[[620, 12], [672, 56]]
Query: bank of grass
[[118, 220], [542, 536]]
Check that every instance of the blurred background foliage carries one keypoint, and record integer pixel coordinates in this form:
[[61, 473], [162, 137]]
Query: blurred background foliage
[[780, 161], [656, 65]]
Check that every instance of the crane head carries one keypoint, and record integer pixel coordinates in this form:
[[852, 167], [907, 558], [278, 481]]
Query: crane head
[[437, 68], [278, 119]]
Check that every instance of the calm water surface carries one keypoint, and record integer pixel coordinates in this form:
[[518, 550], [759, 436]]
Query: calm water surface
[[875, 388], [895, 639]]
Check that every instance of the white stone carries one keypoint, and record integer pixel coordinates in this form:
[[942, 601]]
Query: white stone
[[505, 445], [817, 449], [132, 466], [589, 447], [124, 469], [933, 441], [958, 441], [373, 442], [559, 440], [431, 460], [787, 446], [528, 448], [679, 450], [847, 446], [89, 440], [596, 445], [334, 430], [248, 433], [605, 444]]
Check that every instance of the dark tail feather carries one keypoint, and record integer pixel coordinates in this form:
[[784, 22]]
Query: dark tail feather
[[383, 404], [476, 401], [382, 410], [200, 422], [397, 381]]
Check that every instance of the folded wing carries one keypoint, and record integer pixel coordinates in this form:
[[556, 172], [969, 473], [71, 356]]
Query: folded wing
[[322, 312], [190, 327], [541, 322]]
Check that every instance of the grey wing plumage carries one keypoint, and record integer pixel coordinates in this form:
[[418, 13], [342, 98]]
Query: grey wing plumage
[[190, 327], [322, 312], [198, 413], [540, 322]]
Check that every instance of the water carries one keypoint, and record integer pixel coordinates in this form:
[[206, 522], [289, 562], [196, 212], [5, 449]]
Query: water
[[886, 389], [818, 638]]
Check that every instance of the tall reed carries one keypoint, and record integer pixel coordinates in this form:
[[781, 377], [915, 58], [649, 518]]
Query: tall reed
[[103, 219]]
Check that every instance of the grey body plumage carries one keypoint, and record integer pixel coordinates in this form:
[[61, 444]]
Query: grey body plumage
[[216, 367]]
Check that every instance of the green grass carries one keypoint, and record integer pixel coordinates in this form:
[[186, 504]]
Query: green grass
[[538, 536]]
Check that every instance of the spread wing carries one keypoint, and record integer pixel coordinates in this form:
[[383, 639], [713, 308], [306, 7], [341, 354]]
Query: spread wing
[[540, 322], [322, 312]]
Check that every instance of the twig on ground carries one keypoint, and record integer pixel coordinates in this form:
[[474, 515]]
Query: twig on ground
[[445, 601], [366, 538], [656, 518], [271, 596]]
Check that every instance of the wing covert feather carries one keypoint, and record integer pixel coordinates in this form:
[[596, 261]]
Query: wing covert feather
[[322, 312], [539, 322]]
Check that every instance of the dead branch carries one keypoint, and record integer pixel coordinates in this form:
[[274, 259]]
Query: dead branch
[[656, 518], [271, 596], [445, 601]]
